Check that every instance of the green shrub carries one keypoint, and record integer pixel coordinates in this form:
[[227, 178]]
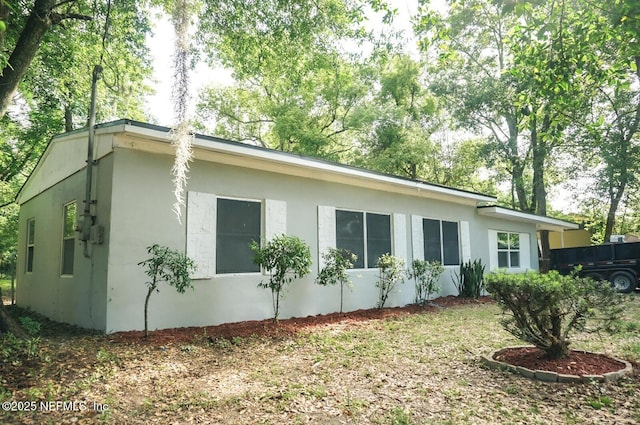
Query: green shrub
[[391, 273], [166, 265], [337, 262], [285, 258], [470, 280], [546, 308], [425, 275]]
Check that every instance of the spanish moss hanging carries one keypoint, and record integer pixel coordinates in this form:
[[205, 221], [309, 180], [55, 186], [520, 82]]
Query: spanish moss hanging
[[182, 137]]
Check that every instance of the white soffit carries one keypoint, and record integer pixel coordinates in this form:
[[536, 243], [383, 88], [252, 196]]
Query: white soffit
[[542, 223]]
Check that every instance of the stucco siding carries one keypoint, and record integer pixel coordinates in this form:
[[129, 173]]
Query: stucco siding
[[142, 216], [78, 298]]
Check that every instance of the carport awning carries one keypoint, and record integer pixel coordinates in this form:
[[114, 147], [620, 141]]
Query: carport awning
[[541, 222]]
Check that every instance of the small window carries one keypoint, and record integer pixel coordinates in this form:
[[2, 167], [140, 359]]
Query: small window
[[68, 238], [367, 235], [237, 224], [31, 231], [508, 250], [441, 241]]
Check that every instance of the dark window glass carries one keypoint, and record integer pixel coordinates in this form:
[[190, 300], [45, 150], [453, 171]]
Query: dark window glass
[[378, 237], [432, 247], [69, 241], [450, 245], [515, 258], [237, 225], [68, 252], [31, 230], [503, 259], [350, 234]]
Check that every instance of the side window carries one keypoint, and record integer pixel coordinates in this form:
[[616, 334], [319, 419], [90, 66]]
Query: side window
[[68, 238], [367, 235], [31, 231], [441, 241], [238, 223], [508, 250], [378, 237]]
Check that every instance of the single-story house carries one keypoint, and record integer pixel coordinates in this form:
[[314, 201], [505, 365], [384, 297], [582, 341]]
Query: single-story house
[[236, 193]]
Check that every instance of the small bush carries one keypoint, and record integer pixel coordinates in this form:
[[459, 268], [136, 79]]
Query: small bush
[[425, 275], [391, 273], [470, 280], [165, 265], [285, 258], [546, 308], [337, 262]]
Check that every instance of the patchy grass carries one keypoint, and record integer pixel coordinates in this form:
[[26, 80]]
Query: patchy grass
[[421, 368]]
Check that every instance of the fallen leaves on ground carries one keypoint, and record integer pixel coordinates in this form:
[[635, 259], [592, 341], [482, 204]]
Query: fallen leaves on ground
[[415, 365]]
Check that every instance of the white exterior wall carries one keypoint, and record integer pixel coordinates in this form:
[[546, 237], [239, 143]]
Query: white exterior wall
[[78, 299], [142, 216]]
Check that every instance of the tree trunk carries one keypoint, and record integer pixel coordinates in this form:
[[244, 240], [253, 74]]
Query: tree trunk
[[8, 325], [38, 23], [613, 209], [539, 202], [68, 119], [146, 306]]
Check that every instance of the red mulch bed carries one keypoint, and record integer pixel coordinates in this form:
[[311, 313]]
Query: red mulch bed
[[283, 328], [578, 363]]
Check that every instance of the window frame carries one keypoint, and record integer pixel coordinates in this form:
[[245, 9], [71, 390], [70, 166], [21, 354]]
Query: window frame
[[261, 224], [442, 240], [509, 250], [366, 263], [29, 254], [68, 235]]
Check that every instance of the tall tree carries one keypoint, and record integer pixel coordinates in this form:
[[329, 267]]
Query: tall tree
[[468, 58], [298, 87]]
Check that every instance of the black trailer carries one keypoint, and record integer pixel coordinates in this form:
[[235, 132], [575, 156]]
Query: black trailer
[[619, 263]]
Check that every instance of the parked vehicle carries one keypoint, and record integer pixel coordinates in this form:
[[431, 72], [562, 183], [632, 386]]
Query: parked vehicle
[[619, 263]]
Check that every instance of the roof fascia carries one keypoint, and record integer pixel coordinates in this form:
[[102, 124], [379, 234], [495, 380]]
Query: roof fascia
[[541, 222]]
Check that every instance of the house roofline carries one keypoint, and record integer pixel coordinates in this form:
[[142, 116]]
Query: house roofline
[[239, 149], [541, 222], [305, 165]]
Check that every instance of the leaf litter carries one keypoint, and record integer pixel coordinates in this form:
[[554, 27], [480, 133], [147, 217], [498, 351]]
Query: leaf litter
[[417, 365]]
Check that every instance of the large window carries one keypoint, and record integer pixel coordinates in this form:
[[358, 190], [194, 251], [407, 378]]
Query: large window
[[31, 232], [237, 224], [508, 250], [68, 238], [441, 241], [367, 235]]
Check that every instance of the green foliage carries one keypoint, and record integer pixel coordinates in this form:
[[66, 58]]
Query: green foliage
[[392, 272], [336, 263], [169, 266], [425, 275], [31, 326], [470, 281], [546, 308], [13, 349], [285, 258]]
